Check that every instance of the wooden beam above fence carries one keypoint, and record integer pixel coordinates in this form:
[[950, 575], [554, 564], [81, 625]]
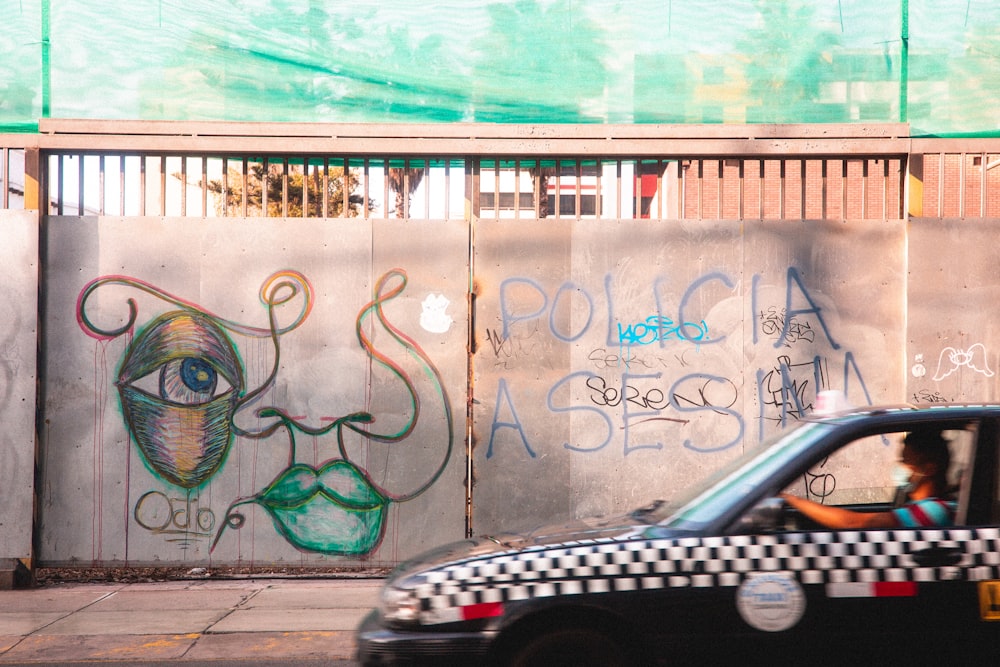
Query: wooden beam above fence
[[474, 139]]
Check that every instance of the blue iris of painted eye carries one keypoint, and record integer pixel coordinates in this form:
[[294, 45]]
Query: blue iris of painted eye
[[198, 376], [189, 381]]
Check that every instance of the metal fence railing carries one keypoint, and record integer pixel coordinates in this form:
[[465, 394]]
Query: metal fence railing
[[588, 172], [437, 187]]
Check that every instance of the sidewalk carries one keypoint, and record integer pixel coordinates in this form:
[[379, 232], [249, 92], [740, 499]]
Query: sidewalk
[[311, 621]]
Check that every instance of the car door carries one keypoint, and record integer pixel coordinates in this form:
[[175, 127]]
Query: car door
[[895, 588]]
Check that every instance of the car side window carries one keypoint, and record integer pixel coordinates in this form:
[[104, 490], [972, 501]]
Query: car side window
[[979, 498], [860, 475]]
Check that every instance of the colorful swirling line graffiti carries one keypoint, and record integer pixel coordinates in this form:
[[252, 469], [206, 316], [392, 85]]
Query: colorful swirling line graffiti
[[181, 382]]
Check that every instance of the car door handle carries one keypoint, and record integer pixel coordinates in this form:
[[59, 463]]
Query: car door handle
[[937, 556]]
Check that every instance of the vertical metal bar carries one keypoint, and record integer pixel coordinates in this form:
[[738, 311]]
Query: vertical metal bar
[[536, 189], [681, 190], [517, 189], [941, 163], [864, 189], [63, 182], [761, 170], [496, 189], [844, 168], [659, 189], [204, 186], [406, 188], [782, 187], [264, 182], [618, 185], [823, 188], [345, 187], [323, 184], [344, 190], [142, 184], [720, 176], [366, 211], [961, 184], [447, 188], [225, 187], [803, 191], [246, 186], [100, 184], [982, 185], [305, 187], [558, 188], [121, 184], [4, 176], [473, 183], [80, 186], [598, 192], [637, 191], [701, 185], [184, 206], [426, 181], [385, 188], [60, 184], [885, 189], [284, 187], [325, 197], [741, 195], [577, 202]]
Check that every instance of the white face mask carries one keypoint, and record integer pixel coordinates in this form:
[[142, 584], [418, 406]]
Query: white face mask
[[901, 475], [905, 477]]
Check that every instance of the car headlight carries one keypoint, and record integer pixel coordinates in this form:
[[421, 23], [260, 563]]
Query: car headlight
[[399, 605]]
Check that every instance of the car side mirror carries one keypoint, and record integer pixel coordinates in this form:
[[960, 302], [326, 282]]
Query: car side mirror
[[766, 516]]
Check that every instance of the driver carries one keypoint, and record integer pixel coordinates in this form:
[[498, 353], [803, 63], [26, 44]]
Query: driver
[[925, 460]]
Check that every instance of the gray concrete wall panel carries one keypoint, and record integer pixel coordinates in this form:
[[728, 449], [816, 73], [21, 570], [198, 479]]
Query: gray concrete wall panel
[[953, 332], [617, 364], [252, 392], [18, 345]]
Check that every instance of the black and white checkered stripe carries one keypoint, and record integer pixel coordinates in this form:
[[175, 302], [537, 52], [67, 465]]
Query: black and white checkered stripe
[[605, 566]]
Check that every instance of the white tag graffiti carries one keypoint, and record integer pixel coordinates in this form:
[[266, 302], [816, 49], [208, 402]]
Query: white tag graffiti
[[951, 360], [433, 317]]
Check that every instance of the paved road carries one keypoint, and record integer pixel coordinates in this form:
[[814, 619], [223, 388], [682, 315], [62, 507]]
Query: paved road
[[213, 622]]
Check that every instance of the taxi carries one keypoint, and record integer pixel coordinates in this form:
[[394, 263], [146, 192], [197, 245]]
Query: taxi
[[727, 573]]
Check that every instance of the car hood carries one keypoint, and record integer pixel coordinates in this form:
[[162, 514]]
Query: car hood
[[618, 527]]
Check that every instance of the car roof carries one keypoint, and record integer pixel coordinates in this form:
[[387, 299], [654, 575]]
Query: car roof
[[905, 413]]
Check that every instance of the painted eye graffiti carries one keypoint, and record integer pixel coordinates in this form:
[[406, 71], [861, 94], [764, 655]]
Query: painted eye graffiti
[[186, 381], [179, 383]]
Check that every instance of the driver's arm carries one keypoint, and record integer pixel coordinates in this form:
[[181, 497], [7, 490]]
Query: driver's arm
[[838, 517]]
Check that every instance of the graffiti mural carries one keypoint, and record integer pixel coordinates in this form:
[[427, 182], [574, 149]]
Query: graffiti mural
[[182, 383], [646, 372]]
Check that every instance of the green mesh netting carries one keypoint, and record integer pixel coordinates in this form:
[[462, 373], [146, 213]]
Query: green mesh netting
[[932, 63]]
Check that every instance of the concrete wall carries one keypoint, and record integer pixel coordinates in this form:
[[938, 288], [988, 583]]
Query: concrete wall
[[18, 345], [330, 434], [614, 363], [649, 353]]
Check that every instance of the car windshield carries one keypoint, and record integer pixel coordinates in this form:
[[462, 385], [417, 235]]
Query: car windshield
[[711, 497]]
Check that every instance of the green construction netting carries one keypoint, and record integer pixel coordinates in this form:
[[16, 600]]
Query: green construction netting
[[932, 63]]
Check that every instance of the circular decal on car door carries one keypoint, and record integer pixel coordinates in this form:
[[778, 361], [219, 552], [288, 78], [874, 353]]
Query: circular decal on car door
[[771, 602]]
